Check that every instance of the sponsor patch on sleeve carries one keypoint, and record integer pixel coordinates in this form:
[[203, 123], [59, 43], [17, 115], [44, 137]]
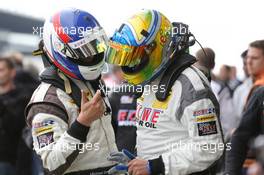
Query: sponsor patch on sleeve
[[206, 118], [42, 127], [207, 128], [45, 139], [206, 121], [204, 112]]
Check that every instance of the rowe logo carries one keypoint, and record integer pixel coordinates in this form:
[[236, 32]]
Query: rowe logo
[[147, 117]]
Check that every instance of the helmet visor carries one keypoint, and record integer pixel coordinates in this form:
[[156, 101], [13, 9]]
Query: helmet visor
[[124, 55], [88, 47]]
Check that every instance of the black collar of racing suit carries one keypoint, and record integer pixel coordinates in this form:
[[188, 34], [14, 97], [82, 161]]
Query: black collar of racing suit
[[172, 73]]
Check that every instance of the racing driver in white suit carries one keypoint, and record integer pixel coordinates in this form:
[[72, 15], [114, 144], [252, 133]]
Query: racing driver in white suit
[[69, 114], [178, 128]]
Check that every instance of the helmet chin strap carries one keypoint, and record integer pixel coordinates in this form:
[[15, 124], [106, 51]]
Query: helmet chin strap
[[67, 83]]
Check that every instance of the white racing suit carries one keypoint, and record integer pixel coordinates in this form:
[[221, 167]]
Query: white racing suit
[[181, 135], [66, 146]]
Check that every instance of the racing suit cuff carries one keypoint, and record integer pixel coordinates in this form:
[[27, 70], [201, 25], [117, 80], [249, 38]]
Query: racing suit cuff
[[78, 131], [157, 166]]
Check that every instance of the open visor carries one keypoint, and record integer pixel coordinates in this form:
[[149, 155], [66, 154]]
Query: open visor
[[124, 55], [86, 49]]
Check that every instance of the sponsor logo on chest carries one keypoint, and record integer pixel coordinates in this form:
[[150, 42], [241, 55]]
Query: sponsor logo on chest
[[148, 117]]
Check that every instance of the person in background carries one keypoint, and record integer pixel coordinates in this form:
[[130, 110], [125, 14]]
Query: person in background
[[241, 92], [252, 121], [13, 100], [123, 104], [224, 94], [27, 79], [225, 75], [233, 81], [205, 61], [113, 77]]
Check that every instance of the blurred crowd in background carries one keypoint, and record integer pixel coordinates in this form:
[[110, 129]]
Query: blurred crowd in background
[[19, 79]]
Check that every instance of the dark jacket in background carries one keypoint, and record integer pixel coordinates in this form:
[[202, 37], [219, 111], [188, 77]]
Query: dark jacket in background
[[12, 122], [251, 125], [123, 106]]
